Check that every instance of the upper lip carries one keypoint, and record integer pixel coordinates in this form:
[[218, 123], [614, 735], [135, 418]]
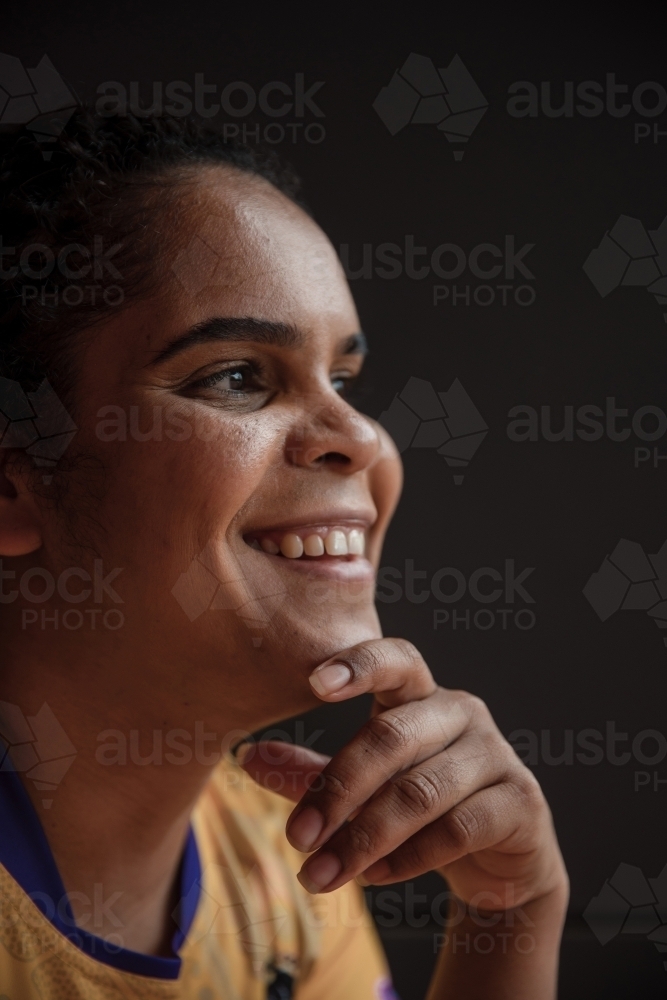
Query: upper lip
[[330, 518]]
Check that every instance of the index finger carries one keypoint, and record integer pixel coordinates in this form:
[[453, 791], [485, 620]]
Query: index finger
[[392, 669], [416, 719]]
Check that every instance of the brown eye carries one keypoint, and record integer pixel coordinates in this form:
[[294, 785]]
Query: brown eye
[[342, 383], [240, 378]]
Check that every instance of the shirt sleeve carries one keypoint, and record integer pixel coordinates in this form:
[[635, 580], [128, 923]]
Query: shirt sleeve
[[351, 964]]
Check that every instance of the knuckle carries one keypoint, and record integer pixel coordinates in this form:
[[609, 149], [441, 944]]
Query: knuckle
[[528, 789], [367, 660], [374, 657], [336, 786], [408, 651], [389, 732], [497, 749], [510, 758], [477, 707], [361, 839], [415, 855], [464, 826], [421, 791], [474, 709]]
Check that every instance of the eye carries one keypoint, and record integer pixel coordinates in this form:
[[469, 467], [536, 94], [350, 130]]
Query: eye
[[236, 379], [342, 382]]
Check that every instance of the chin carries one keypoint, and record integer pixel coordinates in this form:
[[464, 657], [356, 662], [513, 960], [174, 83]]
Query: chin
[[307, 640]]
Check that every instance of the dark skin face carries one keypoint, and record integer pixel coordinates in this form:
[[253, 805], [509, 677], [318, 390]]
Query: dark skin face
[[256, 435], [243, 357]]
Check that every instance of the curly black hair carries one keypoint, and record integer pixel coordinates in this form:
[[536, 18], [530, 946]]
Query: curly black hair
[[75, 224]]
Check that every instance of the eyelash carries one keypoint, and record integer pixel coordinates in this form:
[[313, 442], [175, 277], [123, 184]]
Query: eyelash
[[213, 380]]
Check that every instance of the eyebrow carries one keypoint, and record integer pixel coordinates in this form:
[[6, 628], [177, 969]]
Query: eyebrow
[[261, 331]]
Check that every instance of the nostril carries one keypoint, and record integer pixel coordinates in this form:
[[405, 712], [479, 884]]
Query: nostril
[[335, 457]]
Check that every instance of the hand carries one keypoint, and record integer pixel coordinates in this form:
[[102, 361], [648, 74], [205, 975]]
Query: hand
[[428, 783]]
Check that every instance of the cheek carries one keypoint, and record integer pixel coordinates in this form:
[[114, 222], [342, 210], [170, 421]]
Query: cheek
[[187, 482]]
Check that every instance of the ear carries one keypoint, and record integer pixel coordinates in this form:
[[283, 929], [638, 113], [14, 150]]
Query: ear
[[20, 528]]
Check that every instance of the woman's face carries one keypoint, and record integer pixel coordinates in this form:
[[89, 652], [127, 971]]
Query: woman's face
[[213, 422]]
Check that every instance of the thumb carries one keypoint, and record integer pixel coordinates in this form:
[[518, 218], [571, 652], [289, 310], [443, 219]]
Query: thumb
[[285, 768]]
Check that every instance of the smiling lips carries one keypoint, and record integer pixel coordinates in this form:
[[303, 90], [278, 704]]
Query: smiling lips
[[310, 542]]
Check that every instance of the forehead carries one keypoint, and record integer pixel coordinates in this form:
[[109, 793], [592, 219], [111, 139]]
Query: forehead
[[235, 247], [243, 243]]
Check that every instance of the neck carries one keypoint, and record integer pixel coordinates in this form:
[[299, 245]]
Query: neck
[[118, 820]]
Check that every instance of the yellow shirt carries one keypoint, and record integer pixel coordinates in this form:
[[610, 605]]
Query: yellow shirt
[[252, 918]]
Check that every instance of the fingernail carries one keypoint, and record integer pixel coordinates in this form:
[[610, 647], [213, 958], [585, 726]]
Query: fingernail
[[362, 881], [317, 873], [305, 828], [333, 677], [242, 751]]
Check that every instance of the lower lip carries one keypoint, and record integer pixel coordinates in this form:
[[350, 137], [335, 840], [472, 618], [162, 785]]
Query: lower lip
[[350, 569]]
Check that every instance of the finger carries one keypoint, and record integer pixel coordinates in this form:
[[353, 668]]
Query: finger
[[285, 768], [392, 669], [386, 745], [414, 800], [487, 819]]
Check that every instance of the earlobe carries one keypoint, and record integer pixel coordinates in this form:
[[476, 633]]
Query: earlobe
[[20, 532]]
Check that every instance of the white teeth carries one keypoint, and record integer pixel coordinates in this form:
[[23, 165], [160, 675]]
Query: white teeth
[[355, 542], [291, 546], [313, 545], [336, 543]]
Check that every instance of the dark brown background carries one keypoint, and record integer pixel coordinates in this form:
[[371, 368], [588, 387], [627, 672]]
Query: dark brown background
[[560, 507]]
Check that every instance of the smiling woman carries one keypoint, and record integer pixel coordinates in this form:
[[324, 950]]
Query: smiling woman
[[225, 500]]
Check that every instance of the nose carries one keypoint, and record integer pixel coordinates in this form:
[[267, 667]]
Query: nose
[[330, 433]]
